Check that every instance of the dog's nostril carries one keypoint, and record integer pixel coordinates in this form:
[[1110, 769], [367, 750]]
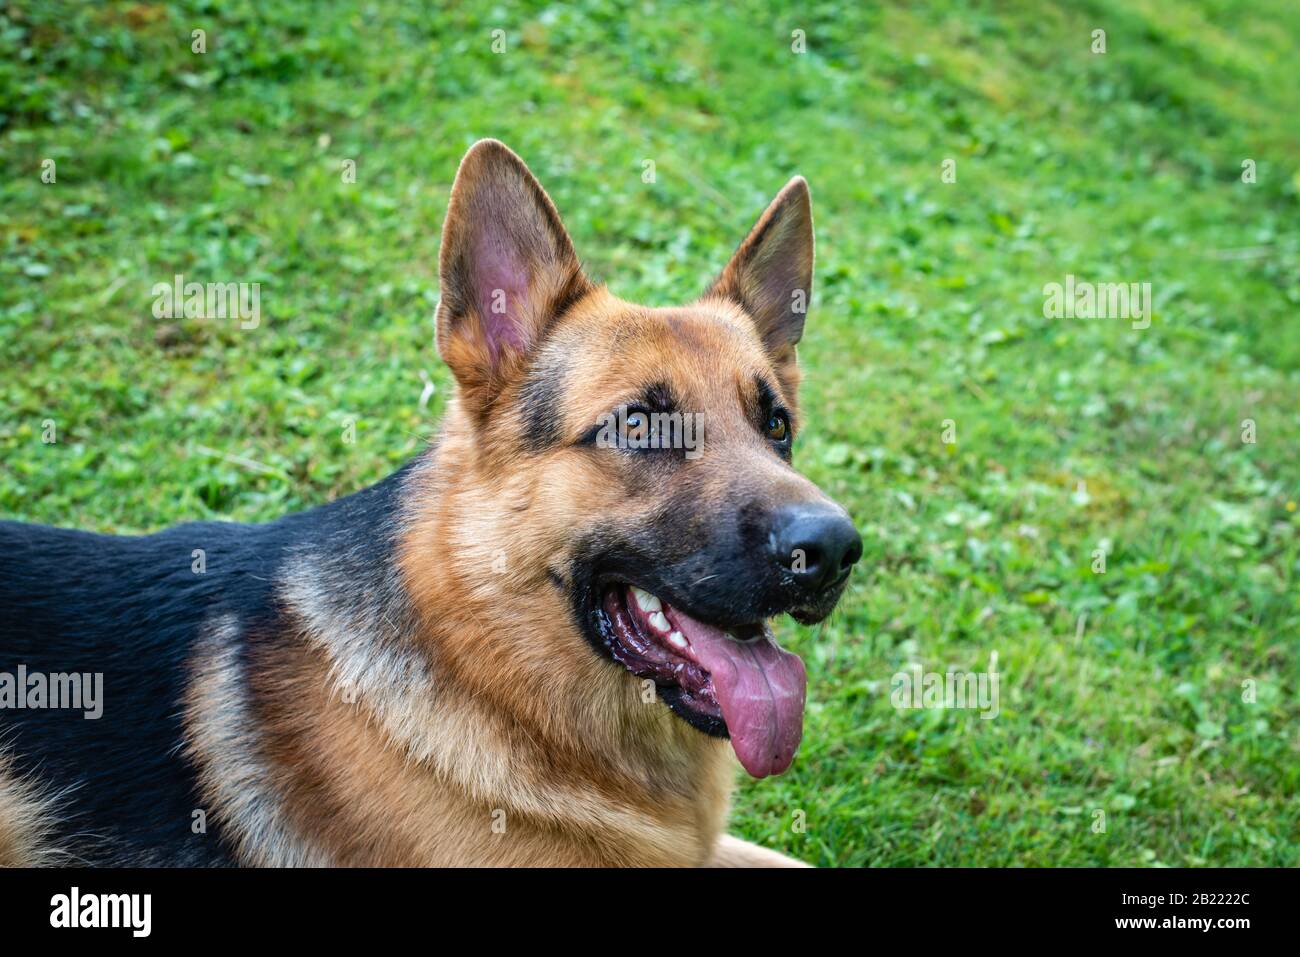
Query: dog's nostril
[[852, 556], [803, 557]]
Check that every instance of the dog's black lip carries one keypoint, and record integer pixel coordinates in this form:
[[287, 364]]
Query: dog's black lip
[[666, 594], [815, 614], [671, 695]]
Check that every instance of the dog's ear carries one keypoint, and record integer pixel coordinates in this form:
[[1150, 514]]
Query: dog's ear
[[770, 275], [506, 270]]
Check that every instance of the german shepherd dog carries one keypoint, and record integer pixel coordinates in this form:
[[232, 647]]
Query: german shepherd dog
[[528, 646]]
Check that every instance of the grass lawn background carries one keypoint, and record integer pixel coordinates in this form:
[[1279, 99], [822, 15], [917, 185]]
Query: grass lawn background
[[1120, 692]]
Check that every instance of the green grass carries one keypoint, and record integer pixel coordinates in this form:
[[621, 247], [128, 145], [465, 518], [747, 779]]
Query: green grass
[[928, 306]]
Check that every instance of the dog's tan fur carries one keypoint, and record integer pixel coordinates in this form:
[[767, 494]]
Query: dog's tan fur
[[317, 776]]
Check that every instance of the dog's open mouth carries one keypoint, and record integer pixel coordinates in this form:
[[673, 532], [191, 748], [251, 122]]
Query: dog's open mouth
[[738, 683]]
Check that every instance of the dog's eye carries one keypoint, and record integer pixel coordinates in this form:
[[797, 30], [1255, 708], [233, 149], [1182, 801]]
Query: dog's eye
[[778, 427], [637, 426]]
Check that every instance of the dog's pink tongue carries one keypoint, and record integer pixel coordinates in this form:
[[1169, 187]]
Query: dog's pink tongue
[[761, 690]]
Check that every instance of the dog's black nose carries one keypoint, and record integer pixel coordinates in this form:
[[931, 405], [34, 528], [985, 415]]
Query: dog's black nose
[[816, 543]]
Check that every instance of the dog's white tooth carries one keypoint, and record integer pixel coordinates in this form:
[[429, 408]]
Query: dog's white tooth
[[646, 601], [678, 639], [660, 621]]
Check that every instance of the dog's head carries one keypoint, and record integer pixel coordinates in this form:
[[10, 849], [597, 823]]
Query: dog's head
[[638, 460]]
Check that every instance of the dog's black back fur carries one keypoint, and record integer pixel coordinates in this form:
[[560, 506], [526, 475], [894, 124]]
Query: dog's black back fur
[[132, 608]]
